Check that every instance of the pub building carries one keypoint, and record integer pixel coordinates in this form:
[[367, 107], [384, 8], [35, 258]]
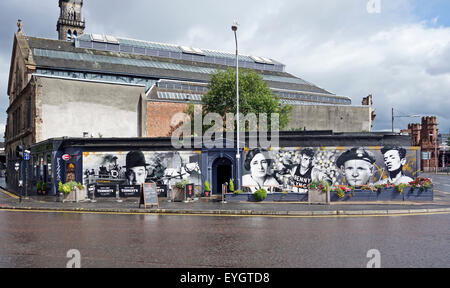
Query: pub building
[[116, 167]]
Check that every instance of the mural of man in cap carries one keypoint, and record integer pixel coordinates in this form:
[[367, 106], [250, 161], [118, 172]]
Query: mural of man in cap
[[357, 166], [395, 159], [136, 168]]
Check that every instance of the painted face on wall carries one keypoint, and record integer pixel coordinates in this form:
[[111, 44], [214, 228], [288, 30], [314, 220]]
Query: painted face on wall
[[306, 161], [136, 175], [259, 166], [357, 172], [393, 161]]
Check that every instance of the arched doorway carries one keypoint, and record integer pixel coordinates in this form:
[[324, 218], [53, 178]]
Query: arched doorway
[[222, 172]]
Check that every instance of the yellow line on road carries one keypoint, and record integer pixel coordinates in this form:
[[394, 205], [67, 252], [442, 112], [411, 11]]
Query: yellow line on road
[[223, 215], [9, 194]]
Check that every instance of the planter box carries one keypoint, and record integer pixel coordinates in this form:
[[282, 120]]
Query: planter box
[[75, 196], [236, 197], [418, 195], [335, 198], [316, 196], [387, 194], [177, 194], [363, 195]]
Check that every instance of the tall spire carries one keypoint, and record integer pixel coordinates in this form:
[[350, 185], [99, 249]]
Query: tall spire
[[70, 23]]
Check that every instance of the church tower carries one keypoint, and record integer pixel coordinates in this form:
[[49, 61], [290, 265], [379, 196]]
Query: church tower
[[70, 24]]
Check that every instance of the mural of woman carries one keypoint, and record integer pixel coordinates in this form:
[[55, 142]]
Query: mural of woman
[[258, 162]]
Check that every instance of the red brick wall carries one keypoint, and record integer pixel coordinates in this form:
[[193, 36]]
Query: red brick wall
[[159, 117]]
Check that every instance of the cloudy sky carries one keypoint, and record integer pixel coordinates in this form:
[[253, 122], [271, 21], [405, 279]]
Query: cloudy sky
[[400, 55]]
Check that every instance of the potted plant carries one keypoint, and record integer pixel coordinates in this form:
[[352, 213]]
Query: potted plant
[[67, 192], [318, 192], [339, 192], [178, 191], [44, 188], [207, 191], [421, 189], [39, 187], [231, 186], [388, 192]]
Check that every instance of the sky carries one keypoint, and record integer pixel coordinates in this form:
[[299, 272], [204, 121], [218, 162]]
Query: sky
[[396, 50]]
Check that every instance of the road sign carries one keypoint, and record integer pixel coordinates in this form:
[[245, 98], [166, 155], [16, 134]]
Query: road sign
[[17, 166], [426, 155], [26, 156], [66, 157]]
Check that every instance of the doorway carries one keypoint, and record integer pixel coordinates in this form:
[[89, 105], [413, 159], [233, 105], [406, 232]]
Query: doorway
[[222, 173]]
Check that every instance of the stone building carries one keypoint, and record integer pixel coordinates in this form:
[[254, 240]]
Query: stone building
[[104, 86]]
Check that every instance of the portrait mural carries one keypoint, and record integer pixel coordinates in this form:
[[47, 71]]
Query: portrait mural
[[292, 169], [138, 167]]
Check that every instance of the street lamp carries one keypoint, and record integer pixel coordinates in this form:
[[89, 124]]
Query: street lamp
[[407, 116], [234, 27]]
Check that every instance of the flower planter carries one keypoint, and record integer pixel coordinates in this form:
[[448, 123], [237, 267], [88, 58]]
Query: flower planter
[[419, 195], [362, 195], [391, 193], [69, 197], [230, 197], [335, 198], [177, 194], [317, 196]]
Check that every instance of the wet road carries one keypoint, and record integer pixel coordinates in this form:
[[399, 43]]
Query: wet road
[[43, 239]]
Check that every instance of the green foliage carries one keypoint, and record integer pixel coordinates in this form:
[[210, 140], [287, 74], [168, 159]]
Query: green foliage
[[238, 192], [60, 186], [255, 96], [231, 186], [400, 188], [260, 195], [182, 184], [39, 185], [207, 187], [323, 186], [44, 186]]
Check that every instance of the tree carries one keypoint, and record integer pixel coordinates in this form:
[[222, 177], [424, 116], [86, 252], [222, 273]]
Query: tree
[[255, 96]]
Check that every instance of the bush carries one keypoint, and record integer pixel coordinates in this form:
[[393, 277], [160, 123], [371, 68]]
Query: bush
[[238, 192], [182, 184], [260, 195], [207, 187], [231, 186]]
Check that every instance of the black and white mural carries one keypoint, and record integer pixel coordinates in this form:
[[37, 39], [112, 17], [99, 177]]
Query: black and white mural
[[292, 169], [137, 167]]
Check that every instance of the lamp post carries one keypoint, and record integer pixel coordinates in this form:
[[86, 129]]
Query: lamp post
[[407, 116], [234, 27]]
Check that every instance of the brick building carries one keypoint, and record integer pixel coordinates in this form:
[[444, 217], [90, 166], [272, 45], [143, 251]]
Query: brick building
[[426, 135]]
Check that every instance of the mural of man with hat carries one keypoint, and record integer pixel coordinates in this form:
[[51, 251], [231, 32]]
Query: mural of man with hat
[[357, 166], [136, 168], [394, 159]]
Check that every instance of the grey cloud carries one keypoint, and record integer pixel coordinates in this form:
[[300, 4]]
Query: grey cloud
[[294, 32]]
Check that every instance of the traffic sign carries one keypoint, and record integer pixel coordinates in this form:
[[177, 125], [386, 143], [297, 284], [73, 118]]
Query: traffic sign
[[66, 157], [26, 156]]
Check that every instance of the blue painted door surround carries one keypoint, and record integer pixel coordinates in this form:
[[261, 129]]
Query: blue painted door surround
[[210, 157]]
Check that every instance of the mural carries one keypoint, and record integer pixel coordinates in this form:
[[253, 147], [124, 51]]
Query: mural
[[292, 169], [138, 167]]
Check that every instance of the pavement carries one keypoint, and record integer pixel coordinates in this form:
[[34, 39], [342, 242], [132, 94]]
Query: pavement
[[208, 206]]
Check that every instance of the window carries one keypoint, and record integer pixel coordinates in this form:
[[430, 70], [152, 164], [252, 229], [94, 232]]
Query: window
[[69, 35]]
